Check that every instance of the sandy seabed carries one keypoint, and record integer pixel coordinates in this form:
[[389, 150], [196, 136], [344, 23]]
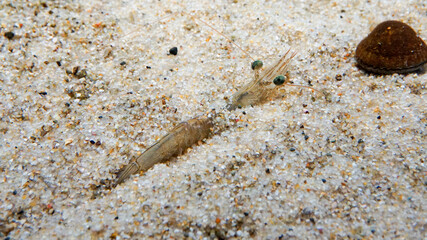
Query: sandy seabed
[[86, 86]]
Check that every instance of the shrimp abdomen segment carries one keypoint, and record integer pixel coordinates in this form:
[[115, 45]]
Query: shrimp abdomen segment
[[183, 136]]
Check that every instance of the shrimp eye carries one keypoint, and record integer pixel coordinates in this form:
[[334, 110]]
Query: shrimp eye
[[257, 64], [279, 80]]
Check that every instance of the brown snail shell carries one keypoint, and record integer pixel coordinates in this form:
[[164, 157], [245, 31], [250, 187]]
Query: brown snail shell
[[392, 47]]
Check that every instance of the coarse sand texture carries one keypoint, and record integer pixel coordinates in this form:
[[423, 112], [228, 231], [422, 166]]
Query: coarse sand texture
[[87, 86]]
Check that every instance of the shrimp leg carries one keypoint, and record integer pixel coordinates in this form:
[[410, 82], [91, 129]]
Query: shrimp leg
[[183, 136]]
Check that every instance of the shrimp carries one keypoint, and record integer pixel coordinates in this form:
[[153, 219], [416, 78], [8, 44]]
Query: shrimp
[[194, 130], [183, 136]]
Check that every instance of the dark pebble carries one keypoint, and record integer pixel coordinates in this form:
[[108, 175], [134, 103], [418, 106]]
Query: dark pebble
[[92, 142], [323, 180], [76, 70], [173, 51], [123, 63], [9, 35]]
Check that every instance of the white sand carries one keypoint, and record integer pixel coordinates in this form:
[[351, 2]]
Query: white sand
[[299, 166]]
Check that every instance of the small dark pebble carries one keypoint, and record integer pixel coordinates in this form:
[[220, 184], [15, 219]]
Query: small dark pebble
[[92, 142], [173, 51], [117, 217], [43, 93], [123, 63], [267, 170], [199, 194], [323, 180], [246, 214], [14, 192], [379, 117], [100, 117], [58, 63], [9, 35], [292, 149], [76, 70], [281, 236], [147, 67]]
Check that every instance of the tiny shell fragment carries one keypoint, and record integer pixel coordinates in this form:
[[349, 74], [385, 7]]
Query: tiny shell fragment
[[68, 141]]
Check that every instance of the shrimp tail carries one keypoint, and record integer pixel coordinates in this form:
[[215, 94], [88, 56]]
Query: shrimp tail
[[183, 136], [126, 171]]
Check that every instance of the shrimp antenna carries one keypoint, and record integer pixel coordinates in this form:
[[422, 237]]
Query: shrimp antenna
[[220, 33], [295, 85]]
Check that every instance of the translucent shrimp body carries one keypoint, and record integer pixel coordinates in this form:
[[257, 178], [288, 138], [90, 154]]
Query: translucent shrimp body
[[183, 136]]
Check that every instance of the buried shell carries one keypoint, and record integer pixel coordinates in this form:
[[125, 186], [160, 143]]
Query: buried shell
[[392, 47]]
